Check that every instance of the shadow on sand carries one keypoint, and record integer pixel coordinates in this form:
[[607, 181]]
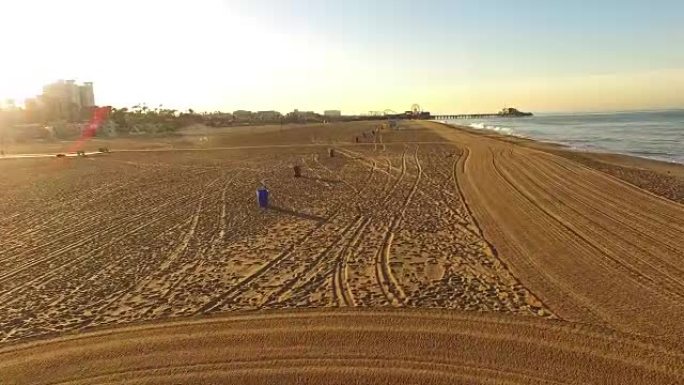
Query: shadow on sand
[[326, 180], [293, 213]]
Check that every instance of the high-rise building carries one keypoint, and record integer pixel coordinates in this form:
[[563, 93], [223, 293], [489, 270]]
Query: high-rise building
[[64, 92], [87, 95], [66, 99]]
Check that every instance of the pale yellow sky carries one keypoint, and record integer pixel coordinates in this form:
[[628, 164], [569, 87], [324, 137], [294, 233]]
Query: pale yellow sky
[[213, 54]]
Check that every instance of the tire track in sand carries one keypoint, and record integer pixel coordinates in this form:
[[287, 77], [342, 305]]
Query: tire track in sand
[[44, 279], [645, 269], [388, 193], [461, 163], [345, 252], [576, 280], [303, 277], [216, 239], [408, 346], [581, 301], [242, 286], [67, 248], [334, 176], [631, 271], [60, 235], [178, 250], [368, 161], [185, 270], [386, 280], [341, 290]]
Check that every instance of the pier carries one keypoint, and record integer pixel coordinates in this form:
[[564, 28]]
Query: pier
[[466, 116], [507, 112]]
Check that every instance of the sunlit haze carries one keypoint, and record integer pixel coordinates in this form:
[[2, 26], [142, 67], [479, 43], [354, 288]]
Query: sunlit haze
[[448, 56]]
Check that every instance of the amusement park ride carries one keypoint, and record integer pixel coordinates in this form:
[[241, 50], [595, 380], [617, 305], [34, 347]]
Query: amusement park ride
[[414, 113]]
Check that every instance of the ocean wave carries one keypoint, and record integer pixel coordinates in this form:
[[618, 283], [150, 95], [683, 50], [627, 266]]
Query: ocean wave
[[651, 135], [499, 129]]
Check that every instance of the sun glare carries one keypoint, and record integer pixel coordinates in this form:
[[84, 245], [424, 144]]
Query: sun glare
[[159, 52]]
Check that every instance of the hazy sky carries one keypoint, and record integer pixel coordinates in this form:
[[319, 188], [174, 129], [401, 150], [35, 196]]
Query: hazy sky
[[354, 55]]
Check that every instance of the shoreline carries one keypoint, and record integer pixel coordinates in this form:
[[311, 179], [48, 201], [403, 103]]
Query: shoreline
[[665, 179], [596, 151]]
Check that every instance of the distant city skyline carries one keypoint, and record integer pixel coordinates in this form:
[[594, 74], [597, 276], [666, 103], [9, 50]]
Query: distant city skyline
[[354, 56]]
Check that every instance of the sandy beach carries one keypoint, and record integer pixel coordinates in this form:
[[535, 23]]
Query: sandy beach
[[424, 254]]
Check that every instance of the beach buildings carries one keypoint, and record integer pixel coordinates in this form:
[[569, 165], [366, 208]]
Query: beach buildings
[[242, 115], [61, 100], [268, 116]]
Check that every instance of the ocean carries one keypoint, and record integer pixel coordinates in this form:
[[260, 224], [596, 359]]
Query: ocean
[[648, 134]]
